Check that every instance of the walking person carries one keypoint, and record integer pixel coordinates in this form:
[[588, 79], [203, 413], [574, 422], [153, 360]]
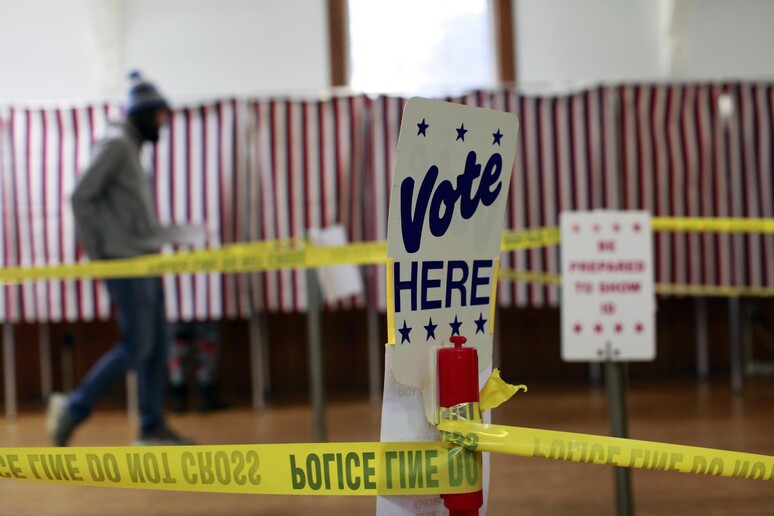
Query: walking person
[[112, 204]]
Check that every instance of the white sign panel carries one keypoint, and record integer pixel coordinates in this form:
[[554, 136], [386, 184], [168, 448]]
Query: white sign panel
[[447, 209], [608, 307]]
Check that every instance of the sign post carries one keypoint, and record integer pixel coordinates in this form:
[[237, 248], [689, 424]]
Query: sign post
[[608, 308]]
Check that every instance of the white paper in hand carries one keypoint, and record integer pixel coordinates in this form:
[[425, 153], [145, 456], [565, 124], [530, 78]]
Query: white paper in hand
[[340, 281], [193, 235]]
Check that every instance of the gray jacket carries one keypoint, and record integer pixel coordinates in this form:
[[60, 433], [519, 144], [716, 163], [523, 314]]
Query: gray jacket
[[112, 200]]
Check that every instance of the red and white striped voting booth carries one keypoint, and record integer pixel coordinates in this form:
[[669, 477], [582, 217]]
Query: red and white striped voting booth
[[274, 168]]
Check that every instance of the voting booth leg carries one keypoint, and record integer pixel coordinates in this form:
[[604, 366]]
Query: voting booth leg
[[316, 381], [68, 369], [615, 379], [44, 345], [9, 371], [132, 397], [258, 360], [735, 336], [702, 340]]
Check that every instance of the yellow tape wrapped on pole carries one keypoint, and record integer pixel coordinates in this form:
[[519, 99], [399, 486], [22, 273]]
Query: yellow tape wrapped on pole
[[354, 469]]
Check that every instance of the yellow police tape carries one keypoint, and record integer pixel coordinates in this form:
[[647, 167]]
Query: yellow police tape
[[291, 254], [365, 469], [712, 225], [614, 451], [360, 469], [243, 257]]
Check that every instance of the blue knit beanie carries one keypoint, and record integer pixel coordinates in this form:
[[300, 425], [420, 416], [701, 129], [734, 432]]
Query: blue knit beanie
[[142, 95]]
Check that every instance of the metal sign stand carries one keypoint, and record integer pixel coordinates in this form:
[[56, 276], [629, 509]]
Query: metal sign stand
[[316, 379], [615, 384], [9, 372]]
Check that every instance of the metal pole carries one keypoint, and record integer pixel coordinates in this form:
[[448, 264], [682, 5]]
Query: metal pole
[[374, 347], [44, 342], [257, 358], [68, 369], [702, 348], [595, 374], [132, 397], [9, 369], [735, 336], [615, 378], [748, 340], [316, 383]]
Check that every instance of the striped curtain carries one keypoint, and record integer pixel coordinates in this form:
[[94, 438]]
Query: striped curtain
[[562, 163], [199, 177], [8, 302], [44, 150], [749, 141], [681, 155], [271, 169], [306, 161], [383, 126]]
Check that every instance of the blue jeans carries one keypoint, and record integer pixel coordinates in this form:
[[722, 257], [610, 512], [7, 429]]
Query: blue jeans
[[139, 303]]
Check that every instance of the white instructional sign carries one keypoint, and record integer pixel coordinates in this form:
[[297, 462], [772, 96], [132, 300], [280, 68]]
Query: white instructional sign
[[608, 306]]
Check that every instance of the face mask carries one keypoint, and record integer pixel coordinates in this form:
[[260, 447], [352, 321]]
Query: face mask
[[147, 124]]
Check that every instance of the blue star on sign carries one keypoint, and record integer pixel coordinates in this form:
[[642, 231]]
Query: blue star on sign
[[404, 333], [497, 136], [455, 326], [422, 128], [480, 322], [430, 328], [461, 132]]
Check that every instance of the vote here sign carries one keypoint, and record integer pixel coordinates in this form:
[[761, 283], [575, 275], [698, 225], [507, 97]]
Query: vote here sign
[[608, 308], [447, 208]]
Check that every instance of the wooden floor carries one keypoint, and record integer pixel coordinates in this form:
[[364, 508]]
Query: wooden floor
[[683, 412]]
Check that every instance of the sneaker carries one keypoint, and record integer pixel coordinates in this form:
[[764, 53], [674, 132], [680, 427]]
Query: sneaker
[[163, 436], [59, 423]]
